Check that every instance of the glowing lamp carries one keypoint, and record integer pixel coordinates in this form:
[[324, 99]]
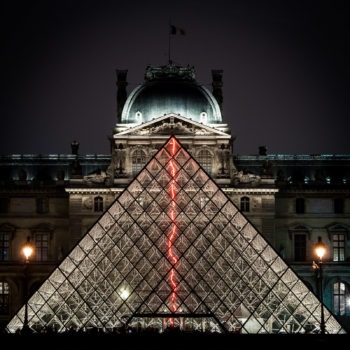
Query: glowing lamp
[[320, 249], [28, 250]]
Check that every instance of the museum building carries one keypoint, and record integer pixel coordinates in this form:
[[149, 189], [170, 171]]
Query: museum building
[[172, 228]]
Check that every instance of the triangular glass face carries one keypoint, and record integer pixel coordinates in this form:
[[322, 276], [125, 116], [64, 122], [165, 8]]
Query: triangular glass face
[[174, 251]]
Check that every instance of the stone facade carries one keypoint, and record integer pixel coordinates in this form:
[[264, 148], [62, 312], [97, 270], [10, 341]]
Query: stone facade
[[291, 199]]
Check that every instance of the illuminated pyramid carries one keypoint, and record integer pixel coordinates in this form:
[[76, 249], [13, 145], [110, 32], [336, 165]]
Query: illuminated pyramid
[[174, 251]]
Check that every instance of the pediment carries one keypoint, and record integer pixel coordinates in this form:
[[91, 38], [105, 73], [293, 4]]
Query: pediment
[[171, 124]]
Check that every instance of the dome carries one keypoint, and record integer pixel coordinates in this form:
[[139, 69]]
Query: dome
[[171, 89]]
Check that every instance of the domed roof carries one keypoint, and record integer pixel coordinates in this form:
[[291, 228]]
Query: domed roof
[[171, 89]]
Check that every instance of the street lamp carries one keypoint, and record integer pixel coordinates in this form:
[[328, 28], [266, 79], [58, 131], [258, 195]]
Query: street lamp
[[320, 251], [27, 251]]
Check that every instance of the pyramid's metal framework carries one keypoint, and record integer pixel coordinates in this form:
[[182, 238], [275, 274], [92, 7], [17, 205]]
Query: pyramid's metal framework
[[173, 250]]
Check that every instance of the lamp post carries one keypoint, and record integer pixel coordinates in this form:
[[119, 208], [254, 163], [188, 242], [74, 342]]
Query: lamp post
[[320, 250], [27, 251]]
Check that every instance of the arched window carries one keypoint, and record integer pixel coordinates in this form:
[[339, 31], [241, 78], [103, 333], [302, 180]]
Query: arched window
[[205, 159], [138, 161], [4, 298], [98, 203], [341, 299], [245, 204]]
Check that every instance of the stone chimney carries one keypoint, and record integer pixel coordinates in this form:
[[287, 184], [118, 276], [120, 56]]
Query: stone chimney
[[75, 147], [121, 91], [217, 85]]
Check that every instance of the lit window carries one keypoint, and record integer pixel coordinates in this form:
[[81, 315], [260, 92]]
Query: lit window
[[245, 204], [205, 159], [41, 243], [4, 298], [341, 299], [138, 161], [339, 247], [98, 203]]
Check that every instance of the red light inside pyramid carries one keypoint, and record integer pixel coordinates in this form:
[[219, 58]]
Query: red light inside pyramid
[[173, 258]]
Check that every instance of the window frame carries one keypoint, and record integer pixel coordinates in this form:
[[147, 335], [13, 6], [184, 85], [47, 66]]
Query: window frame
[[98, 205], [42, 205], [338, 205], [205, 159], [300, 251], [341, 300], [4, 298], [138, 161], [244, 204], [300, 205], [41, 253], [9, 230]]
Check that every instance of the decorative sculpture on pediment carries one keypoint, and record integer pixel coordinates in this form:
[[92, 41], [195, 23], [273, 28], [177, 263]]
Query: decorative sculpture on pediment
[[242, 178], [170, 71], [97, 177], [171, 128], [179, 128], [266, 168]]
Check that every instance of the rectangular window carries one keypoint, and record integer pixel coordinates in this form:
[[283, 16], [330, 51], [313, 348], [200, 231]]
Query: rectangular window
[[341, 299], [4, 246], [4, 205], [4, 298], [245, 204], [98, 204], [300, 205], [338, 205], [338, 247], [300, 247], [41, 246], [42, 205]]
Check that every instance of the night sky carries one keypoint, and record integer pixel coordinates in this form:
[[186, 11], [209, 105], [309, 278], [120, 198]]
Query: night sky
[[285, 69]]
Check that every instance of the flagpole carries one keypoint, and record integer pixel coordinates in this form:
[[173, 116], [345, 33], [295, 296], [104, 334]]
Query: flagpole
[[169, 38]]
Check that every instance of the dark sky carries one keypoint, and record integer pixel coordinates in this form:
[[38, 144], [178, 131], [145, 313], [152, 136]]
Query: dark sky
[[285, 69]]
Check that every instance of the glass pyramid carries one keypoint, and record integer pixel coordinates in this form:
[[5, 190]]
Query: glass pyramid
[[174, 251]]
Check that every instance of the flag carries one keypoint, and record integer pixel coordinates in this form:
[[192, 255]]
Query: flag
[[177, 31]]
